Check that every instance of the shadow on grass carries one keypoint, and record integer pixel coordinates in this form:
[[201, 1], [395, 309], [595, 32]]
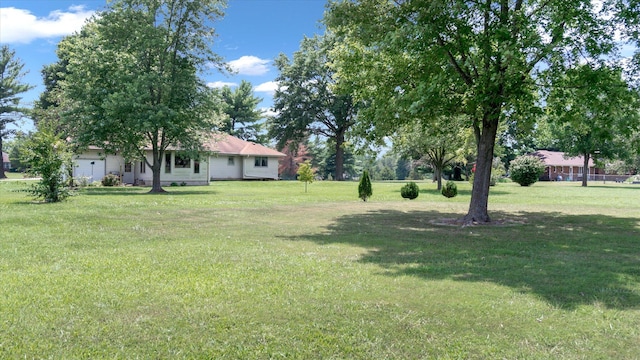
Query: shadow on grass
[[128, 191], [464, 192], [568, 260], [603, 186]]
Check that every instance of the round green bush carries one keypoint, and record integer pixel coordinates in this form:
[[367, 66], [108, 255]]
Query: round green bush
[[450, 189], [526, 170], [410, 191], [110, 180]]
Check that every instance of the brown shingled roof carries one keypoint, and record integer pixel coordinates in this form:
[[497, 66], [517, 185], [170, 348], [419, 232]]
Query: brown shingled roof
[[557, 158], [231, 145], [228, 145]]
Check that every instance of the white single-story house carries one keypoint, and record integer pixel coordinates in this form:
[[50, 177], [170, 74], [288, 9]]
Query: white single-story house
[[6, 163], [225, 158]]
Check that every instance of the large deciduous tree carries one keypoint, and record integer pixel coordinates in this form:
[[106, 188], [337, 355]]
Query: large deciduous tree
[[50, 107], [593, 113], [11, 72], [240, 106], [133, 78], [306, 102], [446, 57]]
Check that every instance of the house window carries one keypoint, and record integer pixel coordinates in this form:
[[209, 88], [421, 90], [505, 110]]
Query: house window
[[262, 161], [143, 167], [167, 163], [196, 167], [231, 161], [182, 162], [127, 167]]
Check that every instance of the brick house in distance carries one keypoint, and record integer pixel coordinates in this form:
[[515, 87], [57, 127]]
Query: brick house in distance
[[6, 164], [558, 167]]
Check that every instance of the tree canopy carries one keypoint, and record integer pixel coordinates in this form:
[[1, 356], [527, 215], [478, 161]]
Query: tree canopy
[[240, 106], [439, 143], [306, 102], [481, 59], [594, 113], [133, 80]]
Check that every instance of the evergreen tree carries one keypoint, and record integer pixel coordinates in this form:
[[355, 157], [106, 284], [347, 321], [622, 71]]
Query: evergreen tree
[[10, 87], [240, 106], [364, 187], [403, 167]]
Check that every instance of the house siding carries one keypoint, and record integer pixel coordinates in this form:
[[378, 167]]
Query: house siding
[[176, 175], [104, 164], [222, 170], [251, 171]]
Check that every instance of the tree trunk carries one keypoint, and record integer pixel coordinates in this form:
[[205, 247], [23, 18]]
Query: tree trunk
[[438, 176], [156, 169], [339, 175], [2, 174], [478, 207], [438, 162], [585, 170]]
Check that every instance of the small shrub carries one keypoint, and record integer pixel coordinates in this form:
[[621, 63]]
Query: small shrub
[[83, 181], [364, 187], [526, 170], [183, 184], [174, 184], [110, 180], [450, 189], [410, 191], [306, 173], [493, 180], [48, 155]]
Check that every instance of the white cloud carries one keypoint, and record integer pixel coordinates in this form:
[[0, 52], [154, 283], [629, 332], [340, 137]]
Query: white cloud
[[221, 84], [21, 26], [250, 65], [268, 112], [268, 87]]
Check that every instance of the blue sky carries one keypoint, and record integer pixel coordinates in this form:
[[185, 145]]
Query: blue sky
[[250, 36]]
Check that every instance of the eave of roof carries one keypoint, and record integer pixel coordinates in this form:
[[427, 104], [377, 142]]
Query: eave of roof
[[557, 158], [228, 145]]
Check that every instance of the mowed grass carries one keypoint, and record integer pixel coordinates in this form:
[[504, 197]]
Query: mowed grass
[[262, 270]]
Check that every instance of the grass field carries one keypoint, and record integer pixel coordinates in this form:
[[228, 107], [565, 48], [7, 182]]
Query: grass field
[[262, 270]]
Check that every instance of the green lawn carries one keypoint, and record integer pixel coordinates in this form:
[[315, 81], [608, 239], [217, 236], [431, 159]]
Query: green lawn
[[260, 270]]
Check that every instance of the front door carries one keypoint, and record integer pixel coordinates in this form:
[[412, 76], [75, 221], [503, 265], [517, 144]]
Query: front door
[[128, 177]]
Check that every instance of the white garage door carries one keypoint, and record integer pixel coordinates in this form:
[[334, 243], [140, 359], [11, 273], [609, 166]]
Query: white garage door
[[93, 169]]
